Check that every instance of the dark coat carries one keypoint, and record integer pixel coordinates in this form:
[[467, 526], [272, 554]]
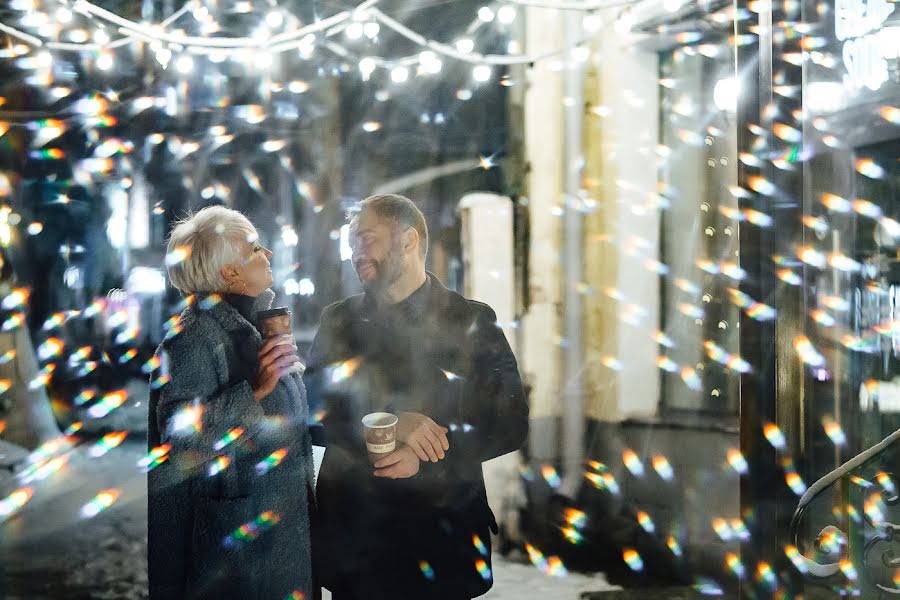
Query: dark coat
[[443, 356], [196, 547]]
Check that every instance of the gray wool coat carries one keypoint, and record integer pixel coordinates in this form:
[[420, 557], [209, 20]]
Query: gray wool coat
[[226, 520]]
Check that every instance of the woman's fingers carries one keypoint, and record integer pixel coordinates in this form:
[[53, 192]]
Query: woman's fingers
[[274, 369], [273, 342], [276, 353]]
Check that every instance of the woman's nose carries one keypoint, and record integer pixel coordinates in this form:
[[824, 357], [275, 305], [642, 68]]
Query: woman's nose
[[267, 252]]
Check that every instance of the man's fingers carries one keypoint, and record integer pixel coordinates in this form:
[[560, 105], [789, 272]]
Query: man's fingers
[[423, 437], [391, 472], [433, 446], [441, 434], [429, 450], [391, 459], [418, 450]]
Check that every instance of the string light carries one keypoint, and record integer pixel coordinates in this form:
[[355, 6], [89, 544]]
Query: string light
[[301, 39]]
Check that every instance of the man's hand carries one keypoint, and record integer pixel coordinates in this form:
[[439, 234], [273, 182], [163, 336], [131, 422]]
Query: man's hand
[[425, 437], [402, 463]]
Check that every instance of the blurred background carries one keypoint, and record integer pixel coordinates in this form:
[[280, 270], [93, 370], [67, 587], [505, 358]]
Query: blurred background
[[685, 213]]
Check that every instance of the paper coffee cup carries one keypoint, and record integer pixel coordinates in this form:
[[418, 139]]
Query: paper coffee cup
[[275, 322], [381, 432]]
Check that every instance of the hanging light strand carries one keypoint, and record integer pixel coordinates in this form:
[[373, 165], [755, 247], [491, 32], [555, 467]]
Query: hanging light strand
[[291, 40]]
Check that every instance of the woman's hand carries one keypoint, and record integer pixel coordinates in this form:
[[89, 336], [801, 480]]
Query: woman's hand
[[423, 436], [402, 463], [276, 357]]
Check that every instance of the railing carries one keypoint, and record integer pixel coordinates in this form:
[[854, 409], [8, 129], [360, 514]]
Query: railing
[[874, 570]]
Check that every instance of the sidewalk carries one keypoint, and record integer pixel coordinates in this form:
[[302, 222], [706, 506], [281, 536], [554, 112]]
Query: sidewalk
[[51, 551]]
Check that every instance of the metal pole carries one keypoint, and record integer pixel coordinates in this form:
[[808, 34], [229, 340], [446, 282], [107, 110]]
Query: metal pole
[[573, 415]]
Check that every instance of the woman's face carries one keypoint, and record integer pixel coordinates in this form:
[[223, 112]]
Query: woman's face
[[253, 275]]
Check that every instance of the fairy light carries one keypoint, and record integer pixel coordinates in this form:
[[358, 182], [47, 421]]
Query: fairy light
[[155, 457], [99, 503], [646, 522], [795, 482], [107, 443], [270, 462], [739, 530], [219, 464], [107, 404], [603, 481], [873, 510], [722, 529], [572, 535], [737, 461], [666, 364], [14, 502], [765, 575], [548, 472], [42, 378], [426, 569], [228, 438], [848, 570], [633, 560], [479, 545], [251, 530], [885, 480], [691, 379], [575, 518], [663, 468], [735, 565], [796, 558], [808, 354], [50, 348], [633, 463], [673, 546], [834, 432], [890, 114]]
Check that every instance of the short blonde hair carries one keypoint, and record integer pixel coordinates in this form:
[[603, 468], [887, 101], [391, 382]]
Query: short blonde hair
[[202, 243]]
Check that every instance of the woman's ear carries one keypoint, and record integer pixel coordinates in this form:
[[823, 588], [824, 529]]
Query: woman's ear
[[229, 274]]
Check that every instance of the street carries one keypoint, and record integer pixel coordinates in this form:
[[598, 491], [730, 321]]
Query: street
[[52, 549]]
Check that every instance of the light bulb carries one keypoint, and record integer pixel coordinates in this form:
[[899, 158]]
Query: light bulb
[[399, 74], [481, 73], [506, 14], [485, 14], [184, 64], [465, 45]]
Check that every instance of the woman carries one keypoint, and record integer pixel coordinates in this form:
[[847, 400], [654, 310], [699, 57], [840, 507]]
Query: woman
[[228, 513]]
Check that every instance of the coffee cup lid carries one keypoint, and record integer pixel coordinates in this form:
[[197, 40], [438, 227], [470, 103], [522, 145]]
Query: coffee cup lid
[[279, 311]]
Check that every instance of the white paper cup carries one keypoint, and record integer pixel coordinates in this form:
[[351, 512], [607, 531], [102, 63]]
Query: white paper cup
[[381, 433]]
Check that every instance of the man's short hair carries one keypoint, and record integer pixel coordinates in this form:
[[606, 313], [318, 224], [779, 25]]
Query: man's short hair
[[401, 210]]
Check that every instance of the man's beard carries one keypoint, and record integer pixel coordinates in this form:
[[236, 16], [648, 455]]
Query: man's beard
[[387, 272]]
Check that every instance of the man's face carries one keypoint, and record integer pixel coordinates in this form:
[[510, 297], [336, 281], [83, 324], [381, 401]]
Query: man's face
[[377, 250]]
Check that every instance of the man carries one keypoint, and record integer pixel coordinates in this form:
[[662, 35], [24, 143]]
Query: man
[[416, 525]]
